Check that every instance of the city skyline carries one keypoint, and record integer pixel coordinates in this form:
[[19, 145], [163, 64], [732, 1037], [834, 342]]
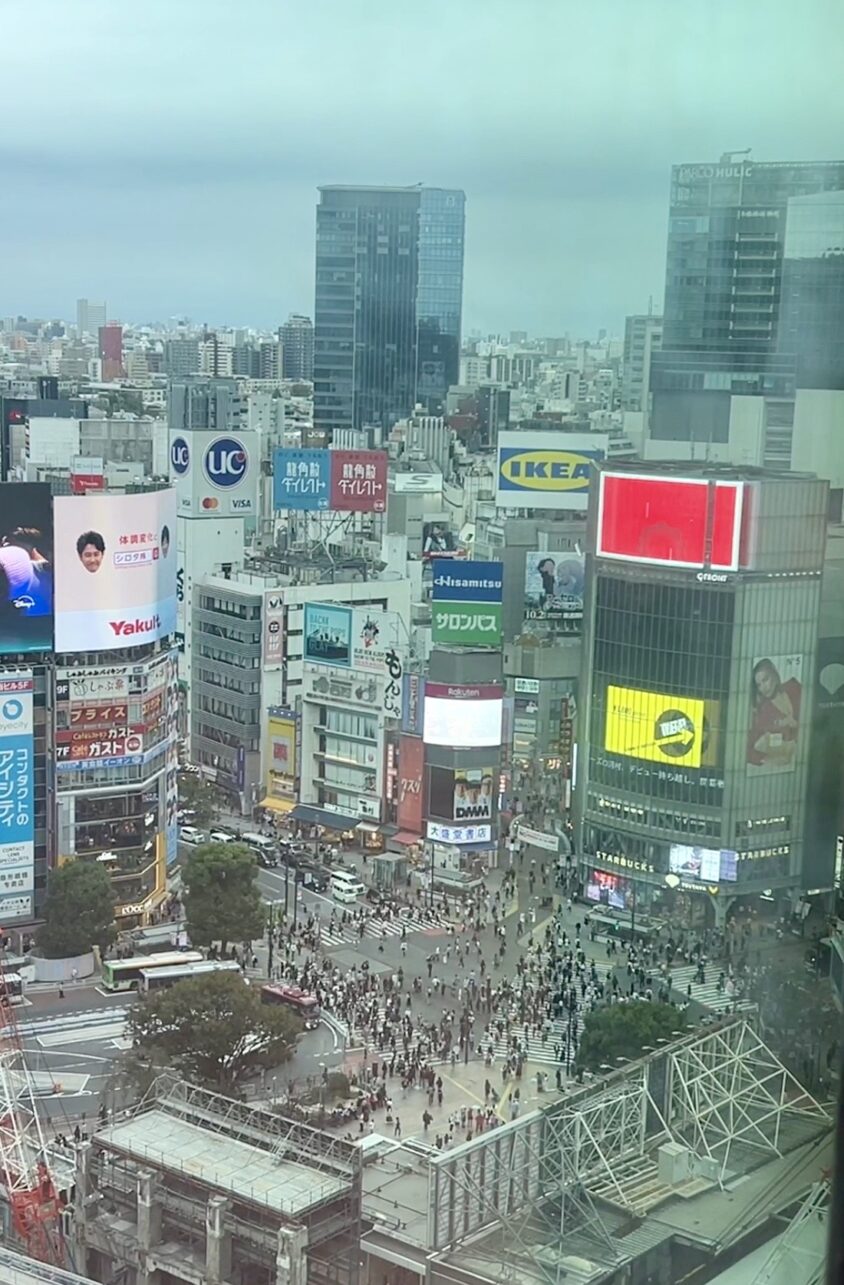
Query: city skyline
[[566, 174]]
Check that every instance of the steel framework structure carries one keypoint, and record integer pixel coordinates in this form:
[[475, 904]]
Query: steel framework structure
[[543, 1198]]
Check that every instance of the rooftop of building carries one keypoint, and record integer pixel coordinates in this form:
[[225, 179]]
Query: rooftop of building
[[16, 1269], [703, 469], [245, 1152]]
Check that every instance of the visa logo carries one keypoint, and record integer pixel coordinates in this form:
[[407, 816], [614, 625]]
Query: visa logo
[[241, 504], [546, 470]]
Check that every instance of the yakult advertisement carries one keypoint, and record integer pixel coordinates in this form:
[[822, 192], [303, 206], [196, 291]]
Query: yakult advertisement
[[115, 570]]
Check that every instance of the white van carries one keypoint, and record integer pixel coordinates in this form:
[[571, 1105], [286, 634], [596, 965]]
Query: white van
[[345, 886], [259, 842]]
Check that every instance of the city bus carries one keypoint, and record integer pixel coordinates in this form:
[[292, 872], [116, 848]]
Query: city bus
[[307, 1006], [125, 974], [156, 979]]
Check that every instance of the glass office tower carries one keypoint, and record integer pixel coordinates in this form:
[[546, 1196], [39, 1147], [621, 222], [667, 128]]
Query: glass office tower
[[389, 286], [724, 275]]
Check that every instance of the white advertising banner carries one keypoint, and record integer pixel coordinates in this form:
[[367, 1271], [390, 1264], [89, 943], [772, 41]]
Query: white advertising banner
[[115, 570]]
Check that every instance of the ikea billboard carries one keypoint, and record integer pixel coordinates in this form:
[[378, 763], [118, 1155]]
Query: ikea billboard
[[547, 470]]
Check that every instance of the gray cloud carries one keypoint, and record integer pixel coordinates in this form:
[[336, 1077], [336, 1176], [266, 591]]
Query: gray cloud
[[166, 156]]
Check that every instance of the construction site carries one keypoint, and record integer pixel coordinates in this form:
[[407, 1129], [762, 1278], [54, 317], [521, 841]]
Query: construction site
[[673, 1168]]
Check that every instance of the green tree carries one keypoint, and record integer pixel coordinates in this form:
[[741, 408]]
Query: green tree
[[212, 1030], [624, 1030], [200, 795], [78, 912], [222, 899]]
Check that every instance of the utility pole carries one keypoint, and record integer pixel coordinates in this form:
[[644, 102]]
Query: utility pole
[[270, 938]]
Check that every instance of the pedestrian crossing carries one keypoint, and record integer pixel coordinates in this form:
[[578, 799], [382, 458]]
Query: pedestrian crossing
[[707, 993], [377, 927]]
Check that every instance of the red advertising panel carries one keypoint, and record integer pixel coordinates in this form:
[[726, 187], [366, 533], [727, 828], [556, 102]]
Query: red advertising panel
[[410, 798], [358, 481], [685, 522], [81, 483]]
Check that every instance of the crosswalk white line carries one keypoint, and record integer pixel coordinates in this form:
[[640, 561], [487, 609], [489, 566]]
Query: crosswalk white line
[[707, 993], [375, 927]]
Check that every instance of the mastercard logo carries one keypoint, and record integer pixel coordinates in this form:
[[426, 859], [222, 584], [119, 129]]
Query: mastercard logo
[[210, 502]]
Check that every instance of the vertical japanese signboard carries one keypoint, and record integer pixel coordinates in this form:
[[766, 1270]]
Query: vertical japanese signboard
[[17, 802]]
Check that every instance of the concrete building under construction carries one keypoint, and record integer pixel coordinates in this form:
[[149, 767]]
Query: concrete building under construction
[[197, 1189]]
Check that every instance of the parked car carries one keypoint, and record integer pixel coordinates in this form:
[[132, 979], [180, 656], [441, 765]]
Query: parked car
[[221, 836], [190, 834]]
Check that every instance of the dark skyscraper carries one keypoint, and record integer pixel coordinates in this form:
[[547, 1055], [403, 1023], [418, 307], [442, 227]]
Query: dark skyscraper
[[723, 290], [389, 286]]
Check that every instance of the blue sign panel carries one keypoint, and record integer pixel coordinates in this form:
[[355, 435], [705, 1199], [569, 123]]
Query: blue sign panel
[[17, 803], [301, 479], [458, 581], [328, 634]]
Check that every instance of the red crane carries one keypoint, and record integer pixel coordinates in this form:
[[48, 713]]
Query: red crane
[[24, 1165]]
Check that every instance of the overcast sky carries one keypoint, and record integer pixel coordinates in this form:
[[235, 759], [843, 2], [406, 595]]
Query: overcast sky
[[165, 155]]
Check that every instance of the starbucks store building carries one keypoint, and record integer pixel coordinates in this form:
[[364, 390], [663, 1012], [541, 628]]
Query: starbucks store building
[[701, 628]]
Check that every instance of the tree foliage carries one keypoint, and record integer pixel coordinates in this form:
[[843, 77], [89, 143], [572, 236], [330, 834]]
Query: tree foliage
[[221, 898], [78, 912], [213, 1030], [624, 1030], [199, 795]]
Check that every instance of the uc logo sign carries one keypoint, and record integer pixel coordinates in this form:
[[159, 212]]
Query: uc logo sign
[[12, 710], [179, 456], [225, 462]]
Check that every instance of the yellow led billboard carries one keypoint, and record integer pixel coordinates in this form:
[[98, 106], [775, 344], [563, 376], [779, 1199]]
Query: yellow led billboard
[[649, 725]]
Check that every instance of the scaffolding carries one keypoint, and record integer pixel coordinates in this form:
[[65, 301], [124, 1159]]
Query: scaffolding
[[552, 1196]]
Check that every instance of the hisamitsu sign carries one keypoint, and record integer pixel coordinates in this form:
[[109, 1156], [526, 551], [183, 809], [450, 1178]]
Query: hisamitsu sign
[[467, 603], [467, 581], [468, 623]]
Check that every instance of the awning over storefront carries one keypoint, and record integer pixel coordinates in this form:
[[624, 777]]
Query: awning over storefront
[[406, 838], [368, 827], [277, 805], [321, 816]]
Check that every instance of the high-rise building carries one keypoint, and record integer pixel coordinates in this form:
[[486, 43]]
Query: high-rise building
[[89, 317], [642, 337], [811, 320], [727, 232], [389, 287], [297, 348], [181, 356], [698, 682], [111, 350]]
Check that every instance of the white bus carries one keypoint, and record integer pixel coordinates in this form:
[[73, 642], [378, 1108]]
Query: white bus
[[125, 974], [156, 979]]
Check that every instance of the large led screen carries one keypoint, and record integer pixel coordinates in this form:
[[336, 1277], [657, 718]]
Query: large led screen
[[26, 563], [462, 716], [115, 570], [650, 725], [708, 865], [685, 522]]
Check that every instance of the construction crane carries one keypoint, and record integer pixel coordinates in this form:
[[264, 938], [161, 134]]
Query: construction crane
[[24, 1165]]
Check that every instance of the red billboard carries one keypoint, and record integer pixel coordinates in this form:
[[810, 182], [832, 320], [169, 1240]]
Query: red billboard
[[684, 522], [358, 481], [410, 797]]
